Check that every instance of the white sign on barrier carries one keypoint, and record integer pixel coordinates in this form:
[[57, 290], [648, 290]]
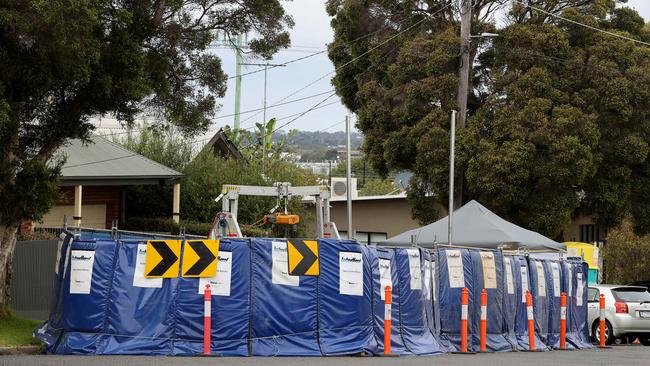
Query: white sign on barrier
[[524, 282], [570, 275], [541, 279], [455, 269], [510, 285], [220, 282], [555, 269], [385, 277], [139, 280], [414, 268], [489, 270], [351, 273], [280, 267], [427, 279], [81, 271], [433, 279], [579, 289]]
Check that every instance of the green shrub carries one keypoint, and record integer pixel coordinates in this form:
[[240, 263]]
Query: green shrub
[[625, 255]]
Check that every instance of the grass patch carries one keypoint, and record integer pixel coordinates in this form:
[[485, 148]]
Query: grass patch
[[15, 331]]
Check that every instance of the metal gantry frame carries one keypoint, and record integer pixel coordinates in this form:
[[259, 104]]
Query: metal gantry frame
[[282, 191]]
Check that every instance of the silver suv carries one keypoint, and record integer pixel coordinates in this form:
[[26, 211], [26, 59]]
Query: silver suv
[[627, 312]]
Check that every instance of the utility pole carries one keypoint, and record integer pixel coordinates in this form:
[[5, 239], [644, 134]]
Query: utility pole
[[238, 62], [463, 76], [265, 134]]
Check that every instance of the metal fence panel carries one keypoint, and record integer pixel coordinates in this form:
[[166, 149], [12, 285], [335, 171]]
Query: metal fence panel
[[33, 280]]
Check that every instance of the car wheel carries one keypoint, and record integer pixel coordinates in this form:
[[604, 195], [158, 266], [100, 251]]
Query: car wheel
[[645, 341], [595, 331]]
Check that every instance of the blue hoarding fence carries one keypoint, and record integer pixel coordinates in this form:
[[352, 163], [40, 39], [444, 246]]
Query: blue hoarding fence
[[104, 304]]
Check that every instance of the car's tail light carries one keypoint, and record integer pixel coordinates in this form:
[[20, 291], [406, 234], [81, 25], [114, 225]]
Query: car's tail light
[[621, 308]]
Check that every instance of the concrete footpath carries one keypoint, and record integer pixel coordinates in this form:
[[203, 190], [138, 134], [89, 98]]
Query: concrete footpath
[[618, 355]]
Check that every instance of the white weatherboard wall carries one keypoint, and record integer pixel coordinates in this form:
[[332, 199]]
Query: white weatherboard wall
[[94, 216]]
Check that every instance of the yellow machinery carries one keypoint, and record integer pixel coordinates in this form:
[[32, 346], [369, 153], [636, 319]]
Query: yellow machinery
[[279, 218]]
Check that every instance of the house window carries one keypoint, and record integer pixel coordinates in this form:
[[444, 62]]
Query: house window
[[365, 237], [591, 233]]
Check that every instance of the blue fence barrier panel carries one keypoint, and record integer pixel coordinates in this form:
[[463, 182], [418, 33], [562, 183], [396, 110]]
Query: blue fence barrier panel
[[86, 285], [554, 290], [523, 277], [141, 312], [384, 273], [538, 276], [416, 334], [284, 308], [511, 298], [455, 272], [230, 308], [487, 273], [345, 298], [577, 306]]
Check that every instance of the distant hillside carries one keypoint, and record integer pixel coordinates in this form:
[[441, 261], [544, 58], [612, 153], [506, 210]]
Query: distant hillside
[[309, 141]]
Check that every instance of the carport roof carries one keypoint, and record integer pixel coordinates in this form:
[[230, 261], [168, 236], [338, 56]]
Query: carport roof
[[102, 162]]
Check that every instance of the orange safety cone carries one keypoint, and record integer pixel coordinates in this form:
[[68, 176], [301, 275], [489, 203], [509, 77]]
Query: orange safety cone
[[531, 321], [464, 300], [563, 321], [388, 301], [602, 321], [483, 321]]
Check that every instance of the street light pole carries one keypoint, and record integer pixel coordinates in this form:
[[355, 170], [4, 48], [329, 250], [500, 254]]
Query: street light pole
[[265, 134]]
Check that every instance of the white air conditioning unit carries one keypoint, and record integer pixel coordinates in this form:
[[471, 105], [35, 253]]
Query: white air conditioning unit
[[339, 188]]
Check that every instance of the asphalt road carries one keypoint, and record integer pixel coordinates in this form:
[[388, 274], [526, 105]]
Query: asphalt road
[[618, 355]]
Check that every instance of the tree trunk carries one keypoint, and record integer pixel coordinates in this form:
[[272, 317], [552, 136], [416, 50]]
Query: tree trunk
[[7, 247]]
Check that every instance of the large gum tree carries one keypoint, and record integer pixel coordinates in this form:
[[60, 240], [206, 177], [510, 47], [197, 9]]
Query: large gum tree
[[64, 61], [558, 115]]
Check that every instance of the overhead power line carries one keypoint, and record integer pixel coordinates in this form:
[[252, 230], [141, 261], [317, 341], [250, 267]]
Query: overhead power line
[[361, 55], [581, 24]]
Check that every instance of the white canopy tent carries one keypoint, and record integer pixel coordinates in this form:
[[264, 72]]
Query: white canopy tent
[[476, 226]]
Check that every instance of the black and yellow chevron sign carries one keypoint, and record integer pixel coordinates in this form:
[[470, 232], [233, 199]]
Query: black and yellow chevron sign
[[303, 257], [200, 258], [162, 258]]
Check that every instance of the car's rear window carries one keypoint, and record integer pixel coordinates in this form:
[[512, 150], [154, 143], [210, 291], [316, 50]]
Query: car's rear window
[[631, 294]]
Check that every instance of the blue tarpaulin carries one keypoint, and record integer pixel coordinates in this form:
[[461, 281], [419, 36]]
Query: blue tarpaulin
[[284, 308], [230, 310], [454, 273], [416, 334], [554, 290], [575, 285], [345, 298], [510, 299], [487, 273], [539, 275], [384, 272]]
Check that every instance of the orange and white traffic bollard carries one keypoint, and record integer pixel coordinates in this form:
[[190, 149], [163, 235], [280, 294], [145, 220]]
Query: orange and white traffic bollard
[[531, 321], [207, 319], [388, 301], [464, 300], [484, 320], [563, 320], [602, 321]]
